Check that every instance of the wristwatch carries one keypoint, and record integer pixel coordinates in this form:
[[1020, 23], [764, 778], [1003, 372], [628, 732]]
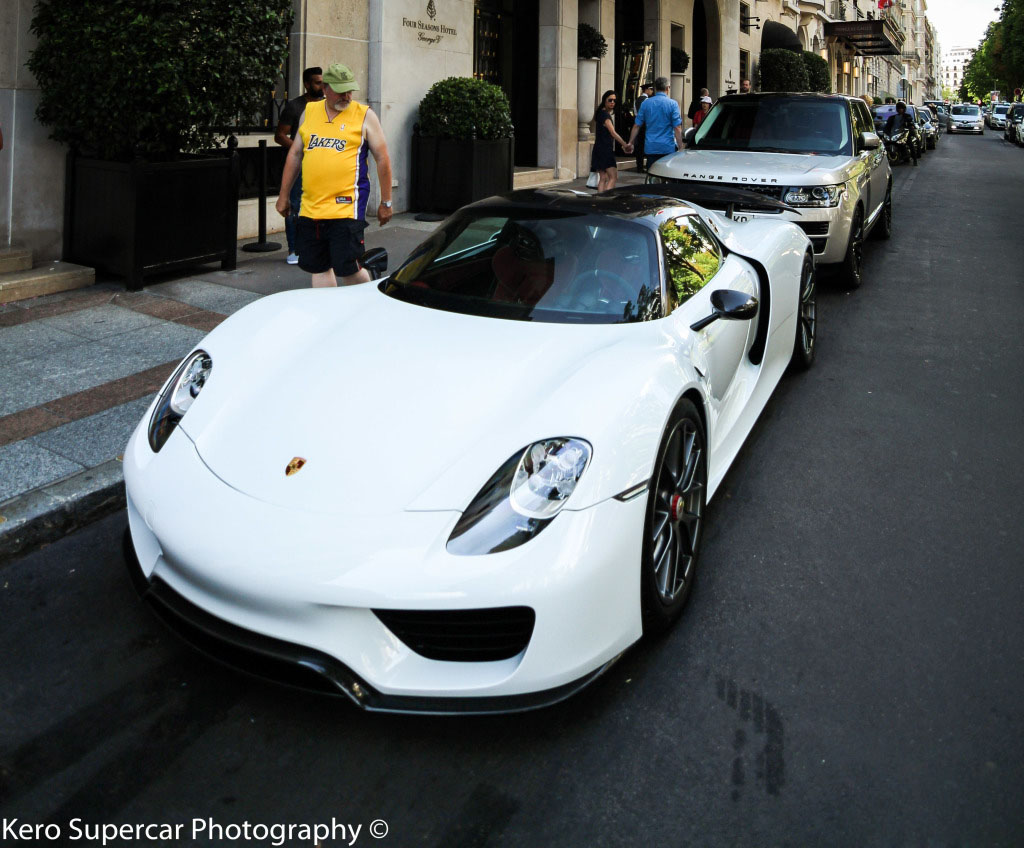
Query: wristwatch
[[386, 204]]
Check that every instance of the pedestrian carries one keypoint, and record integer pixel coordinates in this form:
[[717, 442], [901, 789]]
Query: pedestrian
[[691, 113], [330, 153], [638, 147], [287, 127], [705, 107], [745, 86], [664, 125], [602, 159]]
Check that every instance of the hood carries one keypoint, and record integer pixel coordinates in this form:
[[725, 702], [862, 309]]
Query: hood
[[382, 399], [742, 169]]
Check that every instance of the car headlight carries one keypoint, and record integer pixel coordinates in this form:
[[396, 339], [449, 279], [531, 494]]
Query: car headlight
[[521, 498], [176, 398], [827, 195], [654, 178]]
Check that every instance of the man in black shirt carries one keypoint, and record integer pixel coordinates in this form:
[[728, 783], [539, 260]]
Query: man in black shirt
[[287, 126]]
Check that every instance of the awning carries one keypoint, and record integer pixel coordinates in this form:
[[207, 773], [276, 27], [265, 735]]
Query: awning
[[774, 34], [867, 38]]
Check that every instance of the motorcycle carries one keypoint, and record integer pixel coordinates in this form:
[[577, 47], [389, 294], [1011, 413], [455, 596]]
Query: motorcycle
[[897, 146]]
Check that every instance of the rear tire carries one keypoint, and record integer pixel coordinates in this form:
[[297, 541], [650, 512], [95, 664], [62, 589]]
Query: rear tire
[[852, 269], [883, 226], [676, 502]]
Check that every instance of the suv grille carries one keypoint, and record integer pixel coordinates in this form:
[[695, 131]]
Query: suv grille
[[475, 635], [814, 228], [774, 192]]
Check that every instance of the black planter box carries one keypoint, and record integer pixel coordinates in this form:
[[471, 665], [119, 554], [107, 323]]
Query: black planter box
[[448, 174], [135, 219]]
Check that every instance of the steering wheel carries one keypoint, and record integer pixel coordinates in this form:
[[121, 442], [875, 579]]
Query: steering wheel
[[588, 286]]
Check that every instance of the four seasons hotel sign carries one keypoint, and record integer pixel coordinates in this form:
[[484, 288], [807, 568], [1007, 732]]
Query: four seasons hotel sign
[[430, 32]]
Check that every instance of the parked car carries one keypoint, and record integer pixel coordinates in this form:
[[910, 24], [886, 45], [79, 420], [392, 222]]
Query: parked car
[[1016, 129], [927, 127], [1013, 119], [817, 153], [941, 112], [966, 117], [487, 517]]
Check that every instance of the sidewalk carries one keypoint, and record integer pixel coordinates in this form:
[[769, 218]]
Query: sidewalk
[[81, 367]]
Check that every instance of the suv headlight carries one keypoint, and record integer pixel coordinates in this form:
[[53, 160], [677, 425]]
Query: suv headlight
[[177, 396], [827, 195], [521, 498], [654, 178]]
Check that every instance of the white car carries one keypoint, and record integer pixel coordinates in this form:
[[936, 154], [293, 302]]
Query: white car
[[817, 153], [473, 486], [966, 117]]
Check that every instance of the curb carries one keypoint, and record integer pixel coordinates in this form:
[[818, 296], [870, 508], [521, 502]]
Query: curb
[[51, 512]]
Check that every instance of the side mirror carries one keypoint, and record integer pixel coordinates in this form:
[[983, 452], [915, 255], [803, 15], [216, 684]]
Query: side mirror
[[869, 140], [688, 136], [375, 260], [729, 305]]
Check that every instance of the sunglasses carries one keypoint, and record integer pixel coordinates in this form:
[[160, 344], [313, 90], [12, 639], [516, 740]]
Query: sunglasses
[[610, 100]]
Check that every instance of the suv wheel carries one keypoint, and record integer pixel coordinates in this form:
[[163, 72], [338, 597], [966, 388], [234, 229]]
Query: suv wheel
[[852, 267]]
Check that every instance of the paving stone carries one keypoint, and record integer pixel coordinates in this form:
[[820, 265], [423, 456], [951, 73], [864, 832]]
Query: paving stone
[[88, 365], [25, 466], [22, 388], [95, 439], [209, 296], [154, 345], [34, 338], [100, 322]]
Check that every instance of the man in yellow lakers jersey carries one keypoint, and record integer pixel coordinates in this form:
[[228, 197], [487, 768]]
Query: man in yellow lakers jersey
[[335, 134]]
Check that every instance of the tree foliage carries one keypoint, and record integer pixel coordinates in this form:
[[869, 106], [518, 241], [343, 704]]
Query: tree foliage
[[998, 63], [590, 44], [464, 108], [152, 78], [780, 69]]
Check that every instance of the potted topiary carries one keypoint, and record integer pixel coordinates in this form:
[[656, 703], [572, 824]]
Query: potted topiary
[[780, 69], [462, 144], [818, 77], [590, 47], [135, 90]]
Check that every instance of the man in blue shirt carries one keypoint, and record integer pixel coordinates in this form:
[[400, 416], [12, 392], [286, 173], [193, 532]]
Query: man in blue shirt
[[664, 125]]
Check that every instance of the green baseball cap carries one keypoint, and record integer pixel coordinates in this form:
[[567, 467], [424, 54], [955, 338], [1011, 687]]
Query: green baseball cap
[[340, 79]]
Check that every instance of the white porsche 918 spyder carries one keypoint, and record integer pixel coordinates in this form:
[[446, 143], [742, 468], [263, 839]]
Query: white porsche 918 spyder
[[472, 486]]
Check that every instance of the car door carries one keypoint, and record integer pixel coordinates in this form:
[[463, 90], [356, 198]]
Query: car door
[[696, 266], [875, 160]]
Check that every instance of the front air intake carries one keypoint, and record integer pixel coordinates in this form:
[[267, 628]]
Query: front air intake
[[475, 635]]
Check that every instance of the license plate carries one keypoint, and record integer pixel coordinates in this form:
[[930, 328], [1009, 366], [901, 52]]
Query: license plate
[[742, 218]]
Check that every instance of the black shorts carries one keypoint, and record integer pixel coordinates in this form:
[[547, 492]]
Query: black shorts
[[324, 243]]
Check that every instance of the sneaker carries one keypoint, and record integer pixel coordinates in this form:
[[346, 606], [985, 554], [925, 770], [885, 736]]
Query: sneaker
[[293, 259]]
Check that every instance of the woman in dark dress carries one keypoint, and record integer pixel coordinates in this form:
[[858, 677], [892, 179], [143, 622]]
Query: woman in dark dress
[[603, 158]]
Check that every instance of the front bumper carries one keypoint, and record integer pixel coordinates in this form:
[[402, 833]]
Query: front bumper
[[967, 128], [291, 596]]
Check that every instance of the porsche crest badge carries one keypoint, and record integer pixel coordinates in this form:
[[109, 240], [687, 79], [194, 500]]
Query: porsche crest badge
[[294, 466]]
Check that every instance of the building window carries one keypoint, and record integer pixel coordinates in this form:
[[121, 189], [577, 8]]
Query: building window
[[744, 65], [744, 18]]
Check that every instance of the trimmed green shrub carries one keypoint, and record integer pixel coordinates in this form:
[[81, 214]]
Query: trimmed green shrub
[[151, 78], [590, 44], [818, 77], [679, 60], [464, 108], [781, 70]]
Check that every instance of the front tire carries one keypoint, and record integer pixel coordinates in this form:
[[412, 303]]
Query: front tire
[[676, 501], [852, 269], [806, 320]]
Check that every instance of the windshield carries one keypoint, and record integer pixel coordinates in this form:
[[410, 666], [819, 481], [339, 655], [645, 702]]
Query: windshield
[[1001, 110], [535, 265], [777, 125], [973, 111]]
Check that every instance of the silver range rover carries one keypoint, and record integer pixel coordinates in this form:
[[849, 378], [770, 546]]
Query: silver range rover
[[816, 153]]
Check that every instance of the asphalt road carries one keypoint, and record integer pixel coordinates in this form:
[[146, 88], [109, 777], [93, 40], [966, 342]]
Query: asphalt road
[[848, 671]]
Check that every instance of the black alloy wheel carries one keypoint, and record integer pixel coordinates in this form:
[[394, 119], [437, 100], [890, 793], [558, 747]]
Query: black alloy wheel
[[676, 501], [806, 320], [853, 263], [883, 226]]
